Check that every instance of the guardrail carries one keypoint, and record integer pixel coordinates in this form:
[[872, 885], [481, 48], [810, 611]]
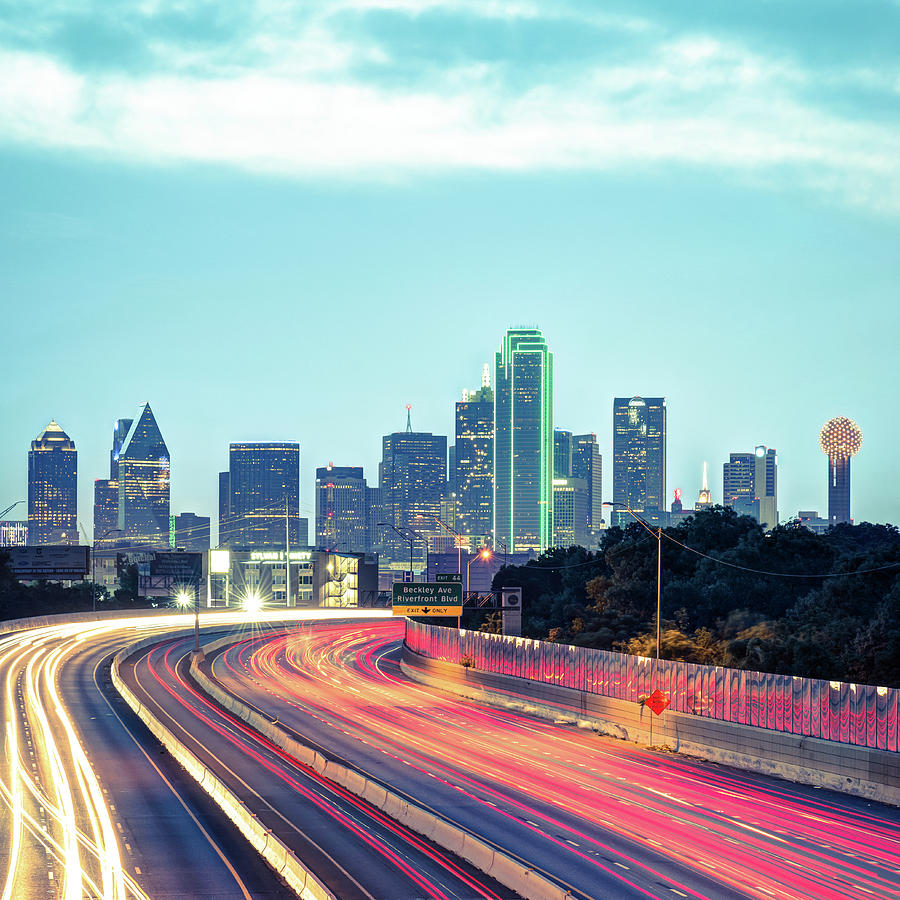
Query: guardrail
[[859, 714]]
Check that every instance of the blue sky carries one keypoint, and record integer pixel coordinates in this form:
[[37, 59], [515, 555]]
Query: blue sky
[[279, 221]]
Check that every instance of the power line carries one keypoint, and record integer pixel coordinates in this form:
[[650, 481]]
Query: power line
[[730, 565]]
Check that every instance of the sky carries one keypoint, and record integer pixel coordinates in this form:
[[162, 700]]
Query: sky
[[286, 221]]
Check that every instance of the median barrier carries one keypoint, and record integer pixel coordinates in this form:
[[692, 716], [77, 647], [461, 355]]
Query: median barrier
[[276, 853], [508, 871]]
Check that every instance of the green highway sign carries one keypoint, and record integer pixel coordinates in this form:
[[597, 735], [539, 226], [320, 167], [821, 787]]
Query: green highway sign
[[427, 599]]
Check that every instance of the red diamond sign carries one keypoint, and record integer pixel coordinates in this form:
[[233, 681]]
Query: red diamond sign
[[658, 701]]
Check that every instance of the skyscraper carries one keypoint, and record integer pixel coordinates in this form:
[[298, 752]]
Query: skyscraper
[[523, 442], [224, 507], [587, 464], [570, 512], [750, 485], [52, 488], [840, 440], [106, 511], [562, 453], [639, 454], [120, 434], [188, 531], [264, 490], [412, 477], [341, 509], [106, 490], [143, 470], [473, 479]]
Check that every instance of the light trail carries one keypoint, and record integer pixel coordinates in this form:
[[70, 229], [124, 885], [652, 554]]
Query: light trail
[[396, 845], [587, 796], [55, 801]]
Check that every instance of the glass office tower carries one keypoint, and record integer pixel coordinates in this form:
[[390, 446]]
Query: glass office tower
[[264, 496], [472, 466], [639, 455], [52, 488], [413, 478], [342, 512], [523, 442], [143, 470]]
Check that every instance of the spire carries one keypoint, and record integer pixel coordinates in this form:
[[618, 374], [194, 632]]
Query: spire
[[486, 376], [408, 419], [704, 501]]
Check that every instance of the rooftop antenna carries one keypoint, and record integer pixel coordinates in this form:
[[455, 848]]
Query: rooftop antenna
[[408, 419]]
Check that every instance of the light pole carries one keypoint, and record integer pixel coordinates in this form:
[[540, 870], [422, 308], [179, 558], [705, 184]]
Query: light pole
[[405, 538], [483, 553], [458, 542], [183, 599], [505, 552], [424, 540], [12, 506], [658, 535], [93, 565]]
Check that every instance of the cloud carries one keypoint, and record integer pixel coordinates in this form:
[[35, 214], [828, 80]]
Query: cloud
[[303, 98]]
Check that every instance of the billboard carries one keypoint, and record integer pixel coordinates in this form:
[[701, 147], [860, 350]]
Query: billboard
[[164, 574], [51, 563]]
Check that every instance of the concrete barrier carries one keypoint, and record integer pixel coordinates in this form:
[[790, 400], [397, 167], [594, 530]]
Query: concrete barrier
[[11, 625], [276, 853], [860, 771], [508, 871]]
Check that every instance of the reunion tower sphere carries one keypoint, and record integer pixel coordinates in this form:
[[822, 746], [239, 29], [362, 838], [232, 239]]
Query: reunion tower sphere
[[840, 439]]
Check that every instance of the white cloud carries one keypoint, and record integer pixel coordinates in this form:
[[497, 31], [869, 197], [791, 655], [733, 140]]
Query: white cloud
[[300, 112]]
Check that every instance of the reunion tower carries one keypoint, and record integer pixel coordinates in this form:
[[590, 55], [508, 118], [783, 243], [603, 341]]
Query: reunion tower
[[839, 439]]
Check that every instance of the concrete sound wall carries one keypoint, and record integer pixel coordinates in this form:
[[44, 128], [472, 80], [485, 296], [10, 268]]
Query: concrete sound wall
[[864, 772]]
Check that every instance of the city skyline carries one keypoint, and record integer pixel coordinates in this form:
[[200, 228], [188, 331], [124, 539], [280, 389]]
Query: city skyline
[[699, 207], [307, 508]]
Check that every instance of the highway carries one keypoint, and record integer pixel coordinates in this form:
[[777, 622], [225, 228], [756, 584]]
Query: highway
[[604, 818], [353, 848], [93, 809]]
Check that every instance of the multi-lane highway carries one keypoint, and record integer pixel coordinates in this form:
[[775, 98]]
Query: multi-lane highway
[[354, 849], [94, 808], [600, 816]]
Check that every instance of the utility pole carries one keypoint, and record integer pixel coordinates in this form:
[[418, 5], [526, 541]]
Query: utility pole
[[287, 554]]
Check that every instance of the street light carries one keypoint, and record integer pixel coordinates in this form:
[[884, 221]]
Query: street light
[[458, 541], [93, 565], [11, 506], [253, 603], [485, 554], [505, 552], [658, 535], [183, 599], [405, 538]]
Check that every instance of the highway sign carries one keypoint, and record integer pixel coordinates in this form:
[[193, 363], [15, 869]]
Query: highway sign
[[658, 701], [427, 599], [451, 577]]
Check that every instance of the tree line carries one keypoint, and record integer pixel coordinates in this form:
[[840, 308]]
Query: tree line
[[45, 598], [786, 601]]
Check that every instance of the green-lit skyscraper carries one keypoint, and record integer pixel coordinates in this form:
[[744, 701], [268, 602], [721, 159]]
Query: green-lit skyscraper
[[523, 442]]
